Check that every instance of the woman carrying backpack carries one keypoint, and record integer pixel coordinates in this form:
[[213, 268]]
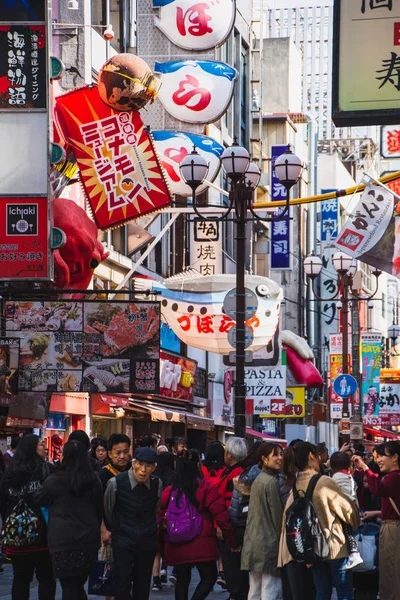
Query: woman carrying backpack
[[28, 551], [263, 528], [191, 506], [74, 496], [331, 508]]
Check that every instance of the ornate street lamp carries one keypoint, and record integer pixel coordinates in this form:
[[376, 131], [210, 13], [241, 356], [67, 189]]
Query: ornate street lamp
[[244, 177]]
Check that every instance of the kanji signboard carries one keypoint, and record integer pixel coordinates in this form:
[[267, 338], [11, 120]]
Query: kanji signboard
[[24, 238], [280, 256], [390, 141], [205, 247], [23, 67], [195, 25], [118, 164], [366, 63], [196, 91]]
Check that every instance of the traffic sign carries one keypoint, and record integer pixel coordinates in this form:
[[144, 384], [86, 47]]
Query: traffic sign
[[345, 385], [58, 238], [251, 302], [248, 336]]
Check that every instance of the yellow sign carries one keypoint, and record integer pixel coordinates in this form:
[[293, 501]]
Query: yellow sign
[[293, 408]]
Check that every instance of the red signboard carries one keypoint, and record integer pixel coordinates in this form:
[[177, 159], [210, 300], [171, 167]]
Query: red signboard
[[119, 168], [24, 233], [382, 420], [177, 376]]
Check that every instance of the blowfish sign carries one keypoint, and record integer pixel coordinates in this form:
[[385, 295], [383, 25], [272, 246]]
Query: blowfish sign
[[174, 146], [196, 91], [195, 25]]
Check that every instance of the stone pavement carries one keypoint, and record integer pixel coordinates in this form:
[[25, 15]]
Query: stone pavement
[[166, 594]]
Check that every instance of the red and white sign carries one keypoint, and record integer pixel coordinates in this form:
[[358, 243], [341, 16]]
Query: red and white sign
[[382, 421], [118, 164], [177, 375], [195, 25], [390, 139], [24, 238]]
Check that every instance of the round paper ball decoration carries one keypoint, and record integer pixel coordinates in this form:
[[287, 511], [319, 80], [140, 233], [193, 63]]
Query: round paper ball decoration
[[126, 83]]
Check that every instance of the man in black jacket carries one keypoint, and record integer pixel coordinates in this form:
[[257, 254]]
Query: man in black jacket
[[131, 503]]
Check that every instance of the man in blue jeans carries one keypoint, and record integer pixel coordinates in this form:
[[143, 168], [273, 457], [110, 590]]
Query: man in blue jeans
[[331, 574]]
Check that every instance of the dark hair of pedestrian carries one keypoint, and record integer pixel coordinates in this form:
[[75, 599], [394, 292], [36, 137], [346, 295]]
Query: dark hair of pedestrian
[[117, 438], [359, 449], [340, 461], [302, 452], [321, 447], [93, 441], [294, 442], [24, 462], [148, 441], [174, 442], [80, 436], [388, 449], [98, 443], [14, 443], [76, 463], [214, 459], [267, 448], [187, 475], [252, 458], [165, 469]]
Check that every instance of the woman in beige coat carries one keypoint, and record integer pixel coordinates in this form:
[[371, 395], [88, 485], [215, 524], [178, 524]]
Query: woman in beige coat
[[263, 527], [332, 507]]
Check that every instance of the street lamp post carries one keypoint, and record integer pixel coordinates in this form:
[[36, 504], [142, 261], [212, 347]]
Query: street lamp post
[[346, 268], [244, 177]]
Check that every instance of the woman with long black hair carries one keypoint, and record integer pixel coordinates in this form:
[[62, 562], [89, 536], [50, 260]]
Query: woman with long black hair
[[74, 497], [99, 453], [24, 474], [214, 462], [201, 551]]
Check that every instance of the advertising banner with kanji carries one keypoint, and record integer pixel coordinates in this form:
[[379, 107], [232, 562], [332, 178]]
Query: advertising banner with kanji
[[366, 62], [72, 346], [24, 238], [280, 256], [369, 232], [371, 355], [23, 66], [119, 167], [206, 247]]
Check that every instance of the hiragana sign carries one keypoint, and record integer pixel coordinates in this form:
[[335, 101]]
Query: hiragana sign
[[195, 25], [390, 141], [366, 62], [118, 164]]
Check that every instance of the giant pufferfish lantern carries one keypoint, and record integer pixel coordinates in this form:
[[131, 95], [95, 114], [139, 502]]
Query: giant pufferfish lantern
[[127, 83]]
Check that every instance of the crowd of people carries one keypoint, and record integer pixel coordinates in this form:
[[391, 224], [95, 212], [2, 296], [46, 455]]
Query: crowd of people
[[265, 523]]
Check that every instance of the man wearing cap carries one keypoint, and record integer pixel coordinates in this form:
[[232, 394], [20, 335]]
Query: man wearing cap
[[131, 503]]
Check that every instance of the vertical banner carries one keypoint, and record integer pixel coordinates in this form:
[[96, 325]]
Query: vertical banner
[[329, 284], [336, 369], [205, 247], [371, 355], [280, 255]]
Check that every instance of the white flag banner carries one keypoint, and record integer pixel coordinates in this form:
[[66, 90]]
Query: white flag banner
[[368, 221]]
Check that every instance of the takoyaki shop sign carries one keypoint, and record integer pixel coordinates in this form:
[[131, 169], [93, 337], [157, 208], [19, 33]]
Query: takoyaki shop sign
[[77, 346]]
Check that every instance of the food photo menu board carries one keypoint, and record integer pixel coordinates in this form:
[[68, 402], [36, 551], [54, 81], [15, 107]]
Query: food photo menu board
[[85, 346]]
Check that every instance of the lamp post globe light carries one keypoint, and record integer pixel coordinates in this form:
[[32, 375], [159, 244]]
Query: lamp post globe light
[[394, 332], [244, 176], [346, 268], [288, 168]]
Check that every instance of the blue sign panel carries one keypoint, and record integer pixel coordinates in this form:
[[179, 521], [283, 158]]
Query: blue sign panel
[[56, 421], [345, 385], [169, 340], [280, 255], [329, 217]]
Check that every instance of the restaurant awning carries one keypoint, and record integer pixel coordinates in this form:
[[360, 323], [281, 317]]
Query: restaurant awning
[[265, 436], [385, 433], [167, 413]]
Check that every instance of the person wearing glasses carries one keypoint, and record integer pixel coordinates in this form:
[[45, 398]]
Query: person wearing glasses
[[131, 503]]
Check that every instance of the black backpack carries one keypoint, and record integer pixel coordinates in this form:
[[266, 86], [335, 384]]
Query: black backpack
[[304, 537]]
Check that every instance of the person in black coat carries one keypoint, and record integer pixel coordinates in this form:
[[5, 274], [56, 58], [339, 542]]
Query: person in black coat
[[74, 498], [24, 474]]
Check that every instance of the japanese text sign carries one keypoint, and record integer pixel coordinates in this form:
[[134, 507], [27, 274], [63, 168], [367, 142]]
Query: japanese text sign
[[24, 238], [174, 146], [329, 218], [367, 223], [177, 375], [196, 91], [371, 355], [23, 66], [195, 25], [389, 398], [72, 346], [366, 74], [118, 164], [205, 247], [390, 141], [294, 406], [280, 256]]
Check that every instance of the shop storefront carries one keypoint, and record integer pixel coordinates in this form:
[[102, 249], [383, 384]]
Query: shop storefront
[[68, 412]]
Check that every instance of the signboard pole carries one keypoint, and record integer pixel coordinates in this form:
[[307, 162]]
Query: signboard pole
[[240, 385], [345, 335]]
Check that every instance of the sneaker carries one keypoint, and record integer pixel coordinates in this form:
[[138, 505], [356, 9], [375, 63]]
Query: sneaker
[[353, 560], [163, 576], [172, 578], [221, 580], [157, 586]]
